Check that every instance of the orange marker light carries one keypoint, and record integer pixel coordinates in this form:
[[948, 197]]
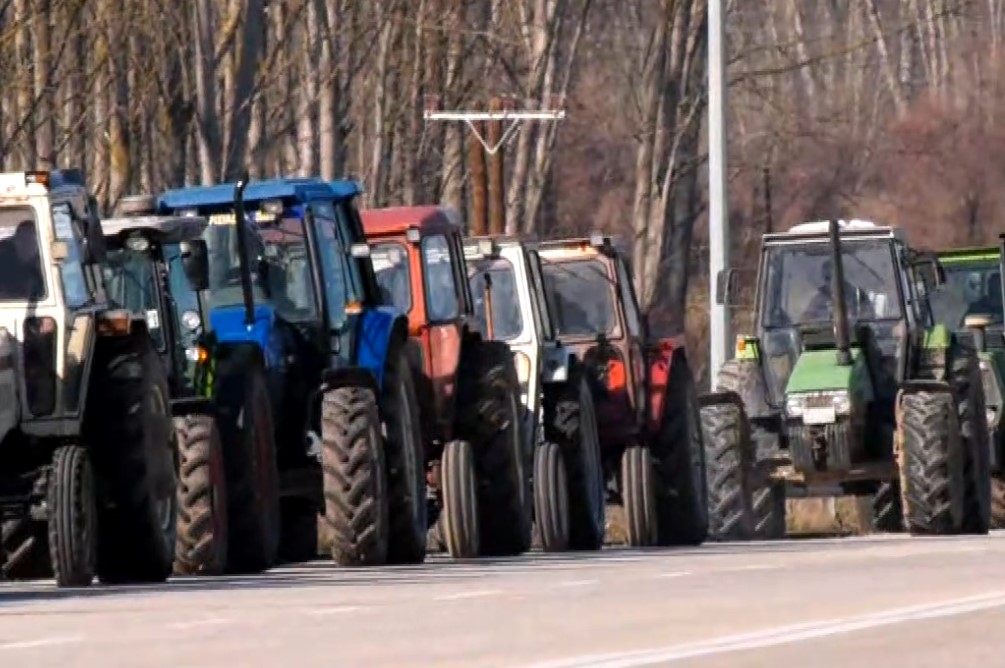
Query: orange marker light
[[616, 376]]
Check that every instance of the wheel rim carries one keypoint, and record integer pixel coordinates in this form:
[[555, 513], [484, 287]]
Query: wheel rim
[[166, 506], [407, 442]]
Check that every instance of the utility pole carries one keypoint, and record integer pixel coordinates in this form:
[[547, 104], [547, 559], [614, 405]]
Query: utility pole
[[491, 131], [718, 202]]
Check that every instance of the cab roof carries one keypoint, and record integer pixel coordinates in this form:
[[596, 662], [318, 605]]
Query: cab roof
[[397, 220], [819, 230], [971, 254], [163, 229], [298, 189]]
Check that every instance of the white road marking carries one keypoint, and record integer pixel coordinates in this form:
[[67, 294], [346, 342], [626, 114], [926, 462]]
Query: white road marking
[[741, 569], [576, 583], [42, 642], [781, 635], [468, 594], [199, 623], [337, 610], [674, 574]]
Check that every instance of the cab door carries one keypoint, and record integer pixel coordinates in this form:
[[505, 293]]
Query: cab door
[[635, 336], [447, 301]]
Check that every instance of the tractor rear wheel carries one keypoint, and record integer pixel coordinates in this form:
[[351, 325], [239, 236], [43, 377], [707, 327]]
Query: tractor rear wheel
[[997, 502], [570, 424], [489, 419], [931, 464], [406, 471], [355, 477], [683, 489], [73, 518], [727, 467], [458, 524], [201, 544], [246, 431], [135, 455], [968, 389]]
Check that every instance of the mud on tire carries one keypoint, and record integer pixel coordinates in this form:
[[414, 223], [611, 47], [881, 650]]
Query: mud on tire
[[489, 419], [931, 464], [247, 433], [134, 454], [355, 477], [727, 466], [405, 454], [201, 541]]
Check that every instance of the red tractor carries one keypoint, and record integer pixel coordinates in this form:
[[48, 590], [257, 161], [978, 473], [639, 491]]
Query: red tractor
[[646, 404], [478, 460]]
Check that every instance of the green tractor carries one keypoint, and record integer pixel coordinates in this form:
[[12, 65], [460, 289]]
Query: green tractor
[[848, 387], [971, 300]]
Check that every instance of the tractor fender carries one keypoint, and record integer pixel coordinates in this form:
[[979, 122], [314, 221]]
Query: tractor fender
[[661, 359], [227, 324], [379, 330]]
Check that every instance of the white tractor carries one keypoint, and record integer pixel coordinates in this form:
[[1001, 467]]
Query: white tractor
[[511, 306], [87, 453]]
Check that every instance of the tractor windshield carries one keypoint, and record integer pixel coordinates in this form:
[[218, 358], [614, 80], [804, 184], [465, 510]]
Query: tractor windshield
[[507, 323], [390, 264], [797, 289], [583, 294], [973, 286], [131, 284], [21, 277]]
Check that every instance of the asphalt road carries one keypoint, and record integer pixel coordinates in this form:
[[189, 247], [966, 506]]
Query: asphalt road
[[873, 601]]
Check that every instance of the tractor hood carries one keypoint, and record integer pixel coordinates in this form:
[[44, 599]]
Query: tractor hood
[[817, 370]]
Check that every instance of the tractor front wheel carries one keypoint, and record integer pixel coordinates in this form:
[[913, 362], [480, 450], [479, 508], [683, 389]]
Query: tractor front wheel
[[73, 518], [727, 466], [201, 543], [458, 522], [638, 492]]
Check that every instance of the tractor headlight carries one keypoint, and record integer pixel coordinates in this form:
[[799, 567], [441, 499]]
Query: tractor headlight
[[838, 400], [990, 414], [522, 369]]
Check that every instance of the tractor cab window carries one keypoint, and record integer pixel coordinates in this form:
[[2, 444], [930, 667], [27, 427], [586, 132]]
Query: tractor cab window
[[184, 298], [972, 287], [507, 323], [286, 268], [71, 268], [583, 294], [390, 264], [342, 282], [131, 284], [442, 301], [21, 276], [224, 261], [798, 283]]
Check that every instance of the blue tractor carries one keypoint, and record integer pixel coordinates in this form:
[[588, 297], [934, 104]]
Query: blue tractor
[[311, 379]]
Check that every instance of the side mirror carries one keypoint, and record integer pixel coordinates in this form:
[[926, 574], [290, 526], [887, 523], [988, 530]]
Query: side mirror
[[195, 260], [94, 238], [725, 287]]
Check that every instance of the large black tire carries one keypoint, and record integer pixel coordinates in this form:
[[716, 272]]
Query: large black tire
[[728, 470], [931, 464], [489, 418], [406, 469], [73, 518], [639, 495], [355, 477], [997, 502], [968, 389], [459, 529], [135, 457], [683, 489], [551, 497], [201, 542], [769, 510], [249, 453], [570, 424], [887, 508]]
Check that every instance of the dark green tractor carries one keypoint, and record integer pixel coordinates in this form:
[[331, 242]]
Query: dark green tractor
[[971, 300], [848, 387]]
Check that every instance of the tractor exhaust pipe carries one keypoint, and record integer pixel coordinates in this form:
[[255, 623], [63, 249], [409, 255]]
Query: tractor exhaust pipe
[[242, 249], [838, 297]]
